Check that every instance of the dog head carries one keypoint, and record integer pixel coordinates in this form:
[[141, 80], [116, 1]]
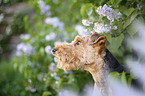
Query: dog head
[[82, 53]]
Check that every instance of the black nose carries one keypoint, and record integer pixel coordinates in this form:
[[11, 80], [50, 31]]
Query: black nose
[[53, 50]]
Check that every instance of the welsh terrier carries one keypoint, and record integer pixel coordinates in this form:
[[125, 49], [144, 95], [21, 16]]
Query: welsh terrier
[[88, 53]]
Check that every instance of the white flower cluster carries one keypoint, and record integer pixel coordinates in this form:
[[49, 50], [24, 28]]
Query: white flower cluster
[[52, 66], [44, 8], [55, 76], [58, 43], [86, 22], [25, 36], [33, 90], [30, 88], [100, 28], [55, 60], [55, 22], [48, 49], [52, 36], [30, 64], [81, 30], [25, 48], [109, 12]]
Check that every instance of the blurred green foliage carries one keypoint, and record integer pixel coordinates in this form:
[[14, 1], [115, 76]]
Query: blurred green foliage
[[9, 2], [11, 23], [33, 71], [16, 27], [11, 81]]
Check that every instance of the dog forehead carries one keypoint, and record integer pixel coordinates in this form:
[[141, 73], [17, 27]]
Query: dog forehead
[[83, 39], [79, 38]]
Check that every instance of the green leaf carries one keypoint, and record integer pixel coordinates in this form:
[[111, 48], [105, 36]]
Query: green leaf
[[90, 10], [112, 2], [42, 51], [71, 86], [123, 10], [115, 42], [127, 22], [87, 8], [133, 16], [141, 20], [60, 83], [26, 24], [46, 93], [131, 30], [114, 75], [124, 78], [115, 3], [129, 80], [130, 10]]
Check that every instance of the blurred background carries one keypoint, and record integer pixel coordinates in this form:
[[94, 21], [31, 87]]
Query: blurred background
[[29, 29]]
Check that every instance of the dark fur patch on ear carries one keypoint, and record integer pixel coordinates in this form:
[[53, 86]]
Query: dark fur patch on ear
[[94, 37]]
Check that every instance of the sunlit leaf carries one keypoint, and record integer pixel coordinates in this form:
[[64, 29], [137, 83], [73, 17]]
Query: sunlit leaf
[[127, 22], [86, 9], [115, 3], [131, 30], [115, 42], [46, 93], [114, 75], [130, 11], [133, 16], [124, 78], [90, 10]]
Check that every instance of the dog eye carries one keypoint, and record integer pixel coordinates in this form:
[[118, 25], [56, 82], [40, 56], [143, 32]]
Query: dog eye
[[78, 43]]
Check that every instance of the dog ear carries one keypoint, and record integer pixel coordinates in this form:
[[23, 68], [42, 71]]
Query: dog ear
[[97, 39]]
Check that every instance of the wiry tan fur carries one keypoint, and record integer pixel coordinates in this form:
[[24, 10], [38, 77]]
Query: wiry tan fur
[[88, 55]]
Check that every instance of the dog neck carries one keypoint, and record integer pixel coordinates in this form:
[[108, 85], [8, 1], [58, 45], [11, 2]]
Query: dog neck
[[99, 75], [99, 71]]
